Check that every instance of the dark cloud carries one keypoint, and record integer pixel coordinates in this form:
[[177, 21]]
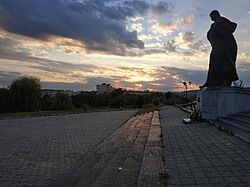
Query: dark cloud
[[61, 67], [153, 51], [198, 11], [169, 46], [89, 84], [189, 40], [195, 76], [164, 79], [187, 36], [65, 86], [162, 7], [125, 9], [243, 64], [99, 25], [9, 50], [6, 78], [198, 46]]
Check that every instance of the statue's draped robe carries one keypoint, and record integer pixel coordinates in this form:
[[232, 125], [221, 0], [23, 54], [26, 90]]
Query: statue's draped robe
[[222, 69]]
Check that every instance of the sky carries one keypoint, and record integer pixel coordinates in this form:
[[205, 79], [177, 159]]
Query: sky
[[131, 44]]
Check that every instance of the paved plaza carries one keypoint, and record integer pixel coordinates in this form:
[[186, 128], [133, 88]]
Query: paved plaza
[[113, 149], [131, 156], [35, 151], [198, 154]]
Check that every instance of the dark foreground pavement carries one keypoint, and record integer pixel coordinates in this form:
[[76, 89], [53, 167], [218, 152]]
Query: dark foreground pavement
[[35, 151], [95, 150], [199, 154], [131, 156]]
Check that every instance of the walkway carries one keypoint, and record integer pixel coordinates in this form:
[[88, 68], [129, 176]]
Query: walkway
[[131, 156], [97, 150], [199, 154], [34, 151]]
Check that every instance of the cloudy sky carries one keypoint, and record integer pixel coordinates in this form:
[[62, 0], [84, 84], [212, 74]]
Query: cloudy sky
[[133, 44]]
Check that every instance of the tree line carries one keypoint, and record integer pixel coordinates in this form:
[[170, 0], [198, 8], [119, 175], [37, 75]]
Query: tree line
[[24, 95]]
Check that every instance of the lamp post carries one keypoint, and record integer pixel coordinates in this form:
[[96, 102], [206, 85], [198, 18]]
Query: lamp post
[[186, 86]]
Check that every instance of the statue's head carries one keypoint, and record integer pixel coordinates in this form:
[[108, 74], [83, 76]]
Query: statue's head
[[214, 15]]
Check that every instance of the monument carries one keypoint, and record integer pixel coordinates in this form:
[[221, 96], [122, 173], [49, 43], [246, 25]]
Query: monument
[[217, 98]]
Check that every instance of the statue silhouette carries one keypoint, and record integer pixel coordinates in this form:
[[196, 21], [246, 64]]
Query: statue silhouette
[[222, 71]]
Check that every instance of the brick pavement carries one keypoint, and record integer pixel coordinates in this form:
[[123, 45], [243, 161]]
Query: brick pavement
[[34, 151], [199, 154], [134, 147]]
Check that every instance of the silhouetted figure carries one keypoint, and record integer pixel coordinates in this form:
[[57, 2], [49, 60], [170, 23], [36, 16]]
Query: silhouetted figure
[[222, 71]]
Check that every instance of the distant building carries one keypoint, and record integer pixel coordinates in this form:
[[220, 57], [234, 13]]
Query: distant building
[[104, 88], [52, 92]]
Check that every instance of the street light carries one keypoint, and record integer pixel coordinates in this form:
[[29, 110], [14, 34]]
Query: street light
[[186, 86]]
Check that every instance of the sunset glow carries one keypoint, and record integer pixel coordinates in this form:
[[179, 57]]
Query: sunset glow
[[150, 45]]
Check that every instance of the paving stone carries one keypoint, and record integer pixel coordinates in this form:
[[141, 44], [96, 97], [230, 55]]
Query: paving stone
[[153, 152], [127, 178], [108, 176], [149, 180], [152, 165], [97, 184], [237, 185], [92, 175], [36, 151], [195, 154], [105, 159], [120, 161], [154, 143], [117, 161], [217, 180], [199, 150], [132, 163]]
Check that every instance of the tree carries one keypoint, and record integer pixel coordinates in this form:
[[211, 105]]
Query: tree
[[117, 102], [62, 101], [4, 100], [46, 102], [25, 94], [140, 100], [156, 101]]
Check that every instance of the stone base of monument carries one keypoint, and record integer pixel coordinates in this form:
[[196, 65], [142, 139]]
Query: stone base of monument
[[221, 101]]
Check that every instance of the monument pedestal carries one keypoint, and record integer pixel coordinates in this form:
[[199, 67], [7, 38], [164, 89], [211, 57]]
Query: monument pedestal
[[222, 101]]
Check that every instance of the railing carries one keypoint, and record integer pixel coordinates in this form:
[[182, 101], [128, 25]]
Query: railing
[[192, 106]]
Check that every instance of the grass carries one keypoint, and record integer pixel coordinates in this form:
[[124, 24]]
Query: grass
[[55, 112], [147, 109], [38, 113], [143, 110]]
